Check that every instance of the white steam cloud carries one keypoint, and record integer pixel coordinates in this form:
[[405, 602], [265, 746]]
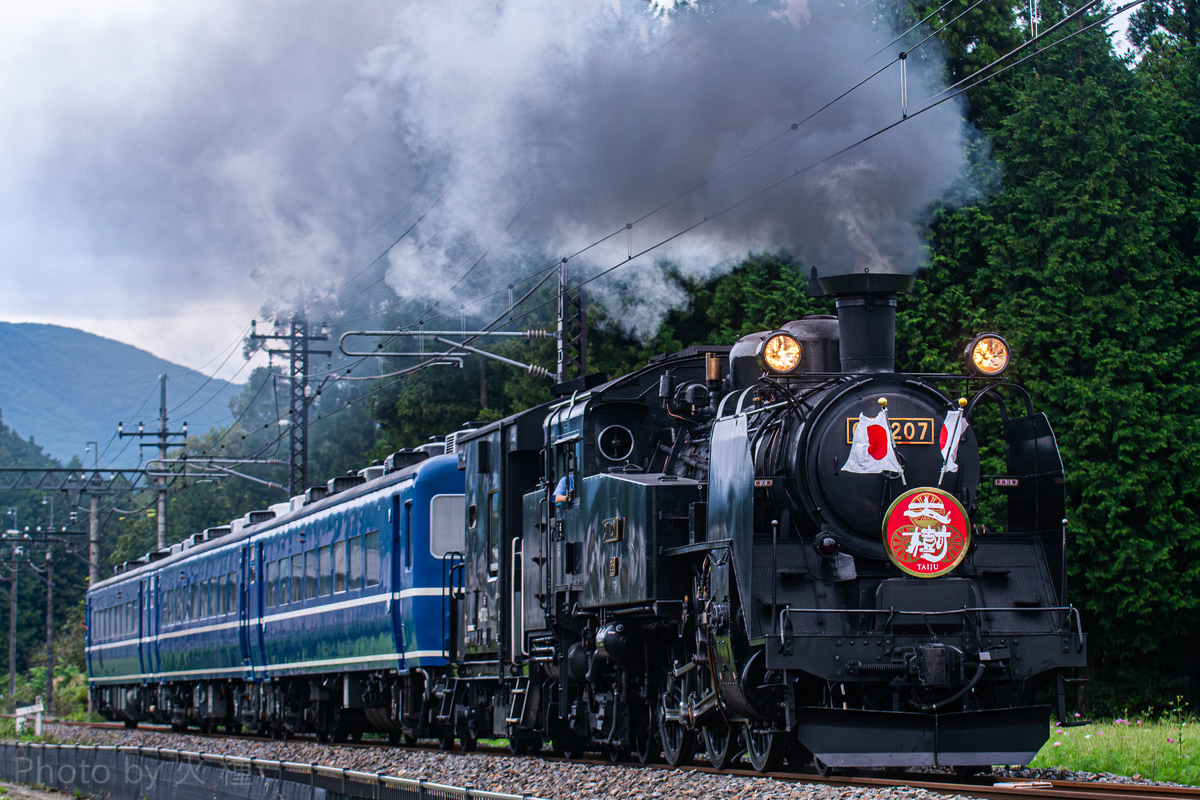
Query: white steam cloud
[[544, 127], [160, 160]]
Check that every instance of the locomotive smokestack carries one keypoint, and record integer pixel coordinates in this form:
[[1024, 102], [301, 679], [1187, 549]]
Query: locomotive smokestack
[[866, 311]]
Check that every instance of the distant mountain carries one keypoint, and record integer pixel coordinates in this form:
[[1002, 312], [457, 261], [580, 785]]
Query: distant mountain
[[66, 388]]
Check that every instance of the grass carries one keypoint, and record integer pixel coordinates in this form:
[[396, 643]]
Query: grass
[[1159, 747]]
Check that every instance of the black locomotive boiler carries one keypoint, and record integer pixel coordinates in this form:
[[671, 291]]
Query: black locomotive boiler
[[779, 548]]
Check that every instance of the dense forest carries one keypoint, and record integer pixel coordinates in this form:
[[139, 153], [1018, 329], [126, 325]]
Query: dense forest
[[1083, 253]]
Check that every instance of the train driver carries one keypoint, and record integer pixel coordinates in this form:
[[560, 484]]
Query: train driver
[[564, 489]]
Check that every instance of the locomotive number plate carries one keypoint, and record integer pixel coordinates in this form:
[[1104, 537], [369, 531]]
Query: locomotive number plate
[[905, 430]]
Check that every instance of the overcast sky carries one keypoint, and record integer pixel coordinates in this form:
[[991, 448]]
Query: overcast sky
[[169, 169]]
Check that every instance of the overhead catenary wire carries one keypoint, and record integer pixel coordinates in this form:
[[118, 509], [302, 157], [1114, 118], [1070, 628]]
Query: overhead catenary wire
[[931, 103], [934, 101], [233, 347]]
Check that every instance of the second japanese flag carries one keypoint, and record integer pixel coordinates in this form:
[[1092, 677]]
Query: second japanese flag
[[952, 430]]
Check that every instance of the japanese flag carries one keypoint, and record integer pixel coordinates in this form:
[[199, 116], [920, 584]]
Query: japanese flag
[[952, 430], [872, 449]]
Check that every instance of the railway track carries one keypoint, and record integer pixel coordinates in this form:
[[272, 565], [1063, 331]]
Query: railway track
[[980, 786]]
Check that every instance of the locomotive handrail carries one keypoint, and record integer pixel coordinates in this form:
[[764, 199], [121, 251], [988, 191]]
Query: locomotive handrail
[[456, 563], [964, 610], [1069, 610], [698, 547]]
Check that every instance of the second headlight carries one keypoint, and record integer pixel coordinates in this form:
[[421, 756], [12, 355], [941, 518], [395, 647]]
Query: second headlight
[[988, 355]]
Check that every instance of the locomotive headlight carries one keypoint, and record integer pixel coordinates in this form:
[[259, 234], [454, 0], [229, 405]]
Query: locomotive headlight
[[988, 355], [780, 352]]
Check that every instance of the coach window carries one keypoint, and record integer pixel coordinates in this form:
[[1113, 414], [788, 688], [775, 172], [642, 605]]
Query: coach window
[[221, 607], [339, 566], [374, 558], [194, 608], [355, 565], [285, 581], [324, 570], [272, 579], [310, 574], [445, 524], [232, 599], [297, 578], [210, 597], [284, 595]]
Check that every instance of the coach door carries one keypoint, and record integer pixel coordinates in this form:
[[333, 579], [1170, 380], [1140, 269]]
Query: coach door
[[401, 564], [148, 649], [250, 610]]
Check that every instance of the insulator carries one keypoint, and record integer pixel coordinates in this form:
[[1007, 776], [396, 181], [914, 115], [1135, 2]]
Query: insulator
[[537, 334], [539, 372]]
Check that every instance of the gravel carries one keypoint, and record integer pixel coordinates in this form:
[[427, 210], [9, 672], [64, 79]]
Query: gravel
[[529, 775]]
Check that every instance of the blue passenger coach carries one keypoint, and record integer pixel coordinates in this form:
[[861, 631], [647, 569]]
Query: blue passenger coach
[[327, 614]]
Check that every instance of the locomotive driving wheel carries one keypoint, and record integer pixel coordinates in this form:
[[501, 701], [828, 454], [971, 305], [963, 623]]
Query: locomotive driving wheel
[[645, 738], [678, 739], [765, 749], [720, 744]]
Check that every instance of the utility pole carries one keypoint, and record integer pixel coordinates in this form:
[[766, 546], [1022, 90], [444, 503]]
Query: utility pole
[[12, 640], [49, 631], [294, 345], [13, 553], [94, 492], [572, 327], [12, 618], [47, 574], [164, 441]]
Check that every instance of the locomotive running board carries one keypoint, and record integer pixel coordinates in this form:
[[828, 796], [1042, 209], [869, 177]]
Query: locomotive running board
[[850, 738]]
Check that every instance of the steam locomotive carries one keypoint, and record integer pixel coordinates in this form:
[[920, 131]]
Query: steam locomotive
[[782, 548]]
